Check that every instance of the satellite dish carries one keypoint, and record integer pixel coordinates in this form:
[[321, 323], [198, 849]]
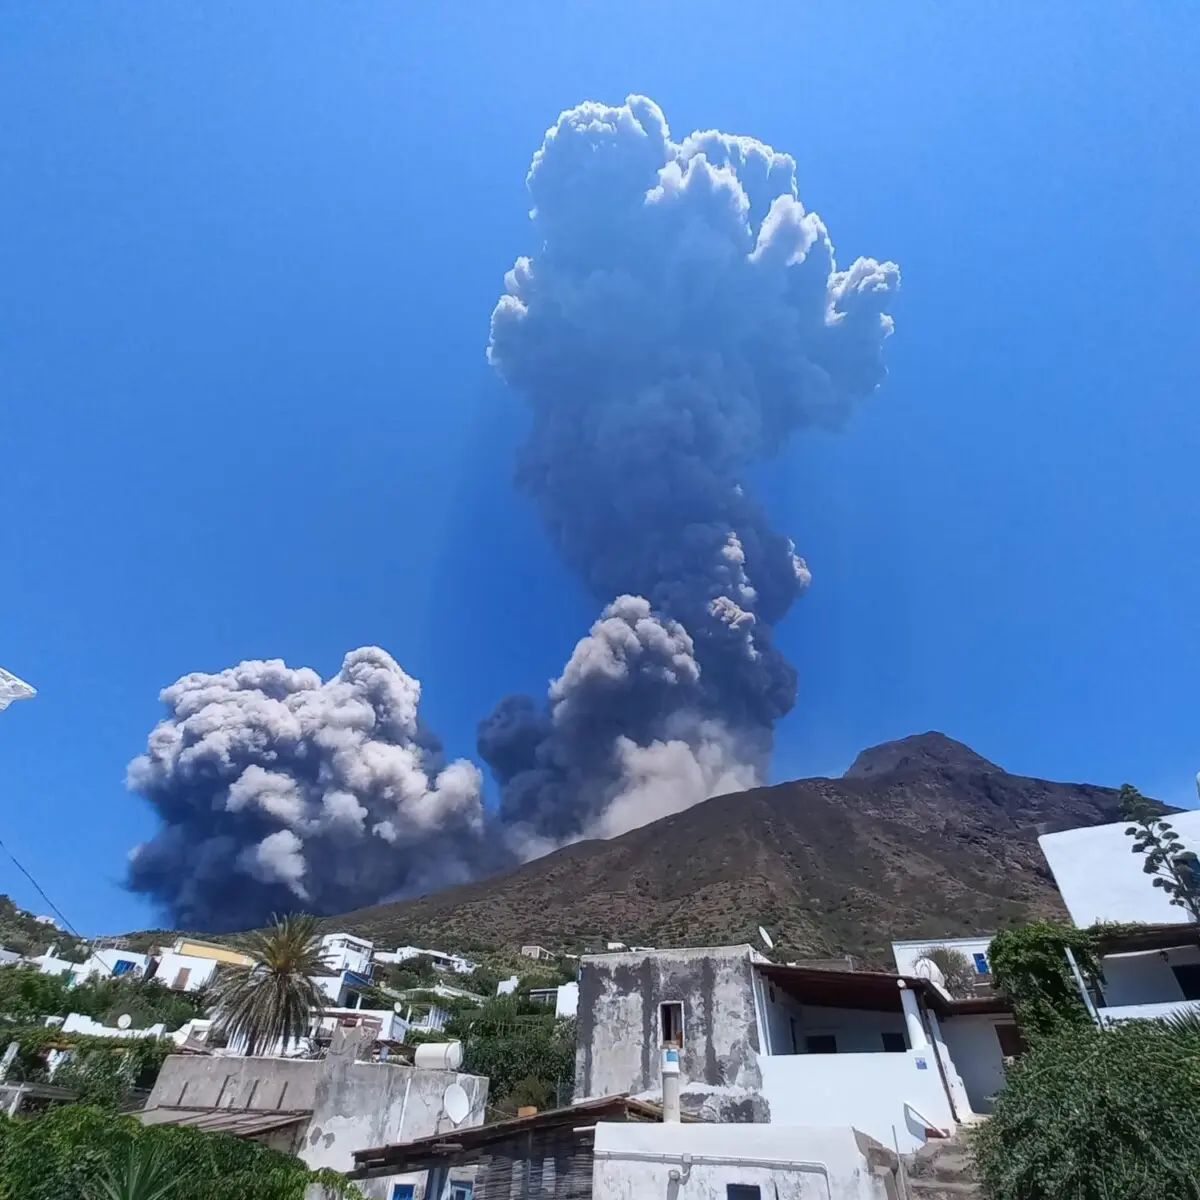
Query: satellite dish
[[923, 968], [766, 938], [456, 1103], [397, 1007], [124, 1021]]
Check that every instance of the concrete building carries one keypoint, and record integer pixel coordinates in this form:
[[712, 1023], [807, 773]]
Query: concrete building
[[758, 1042], [322, 1110], [908, 955], [343, 952], [713, 1162], [618, 1148], [443, 961], [1153, 971], [536, 952]]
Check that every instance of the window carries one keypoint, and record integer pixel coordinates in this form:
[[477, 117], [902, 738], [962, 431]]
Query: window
[[403, 1191], [181, 980], [122, 966], [461, 1189], [1187, 975], [820, 1043], [894, 1043], [742, 1191], [1012, 1045], [981, 964], [670, 1022]]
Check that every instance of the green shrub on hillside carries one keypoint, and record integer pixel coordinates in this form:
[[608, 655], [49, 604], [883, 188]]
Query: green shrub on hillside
[[1098, 1115], [66, 1151]]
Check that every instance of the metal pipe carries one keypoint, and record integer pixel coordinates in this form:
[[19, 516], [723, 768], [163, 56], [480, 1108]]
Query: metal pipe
[[670, 1085], [1087, 1000]]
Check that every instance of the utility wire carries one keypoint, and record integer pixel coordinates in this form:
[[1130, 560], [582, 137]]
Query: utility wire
[[41, 892]]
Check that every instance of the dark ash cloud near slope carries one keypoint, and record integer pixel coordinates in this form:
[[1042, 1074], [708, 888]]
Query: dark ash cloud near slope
[[681, 316], [279, 791]]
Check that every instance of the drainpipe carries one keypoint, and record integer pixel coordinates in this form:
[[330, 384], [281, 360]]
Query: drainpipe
[[912, 1018], [1087, 1000], [670, 1085]]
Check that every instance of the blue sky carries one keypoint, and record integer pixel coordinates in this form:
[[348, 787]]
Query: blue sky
[[247, 260]]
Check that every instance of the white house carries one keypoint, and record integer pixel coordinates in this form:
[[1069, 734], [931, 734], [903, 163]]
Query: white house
[[344, 952], [890, 1055], [909, 954], [1149, 972], [440, 959], [113, 963]]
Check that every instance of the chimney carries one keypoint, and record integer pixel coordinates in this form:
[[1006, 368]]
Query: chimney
[[670, 1085]]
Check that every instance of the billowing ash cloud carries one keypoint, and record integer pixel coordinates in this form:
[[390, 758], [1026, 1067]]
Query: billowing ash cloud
[[279, 791], [681, 316]]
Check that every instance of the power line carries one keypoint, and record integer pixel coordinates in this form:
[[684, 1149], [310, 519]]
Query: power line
[[42, 892]]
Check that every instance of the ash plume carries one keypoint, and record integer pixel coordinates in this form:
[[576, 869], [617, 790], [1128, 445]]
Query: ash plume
[[278, 791], [681, 316]]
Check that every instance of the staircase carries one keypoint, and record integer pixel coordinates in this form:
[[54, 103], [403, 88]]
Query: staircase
[[943, 1170]]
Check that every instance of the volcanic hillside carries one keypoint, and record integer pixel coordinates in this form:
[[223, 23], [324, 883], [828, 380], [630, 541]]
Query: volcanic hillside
[[920, 837]]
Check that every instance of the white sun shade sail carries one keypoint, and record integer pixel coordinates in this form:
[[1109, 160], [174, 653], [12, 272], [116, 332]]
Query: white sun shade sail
[[12, 688]]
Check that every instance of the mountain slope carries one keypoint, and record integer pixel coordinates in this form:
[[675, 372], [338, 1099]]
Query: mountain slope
[[921, 837]]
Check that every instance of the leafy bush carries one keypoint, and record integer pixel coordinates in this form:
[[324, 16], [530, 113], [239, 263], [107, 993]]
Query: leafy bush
[[1030, 966], [1098, 1115], [68, 1150]]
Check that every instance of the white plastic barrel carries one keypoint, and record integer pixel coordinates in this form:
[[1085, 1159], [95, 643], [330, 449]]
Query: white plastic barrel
[[438, 1056]]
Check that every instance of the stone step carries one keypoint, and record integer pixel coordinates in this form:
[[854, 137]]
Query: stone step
[[937, 1189]]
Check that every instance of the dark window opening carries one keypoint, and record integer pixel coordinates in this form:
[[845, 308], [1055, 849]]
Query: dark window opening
[[820, 1043], [670, 1020], [743, 1191], [894, 1043], [1012, 1045], [1187, 975]]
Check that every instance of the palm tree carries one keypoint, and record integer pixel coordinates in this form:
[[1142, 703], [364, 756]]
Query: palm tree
[[143, 1174], [273, 1001]]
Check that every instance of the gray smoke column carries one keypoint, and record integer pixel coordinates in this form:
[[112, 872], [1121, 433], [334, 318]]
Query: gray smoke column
[[278, 791], [681, 316]]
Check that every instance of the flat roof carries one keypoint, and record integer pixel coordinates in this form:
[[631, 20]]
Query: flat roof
[[464, 1145], [1144, 938], [241, 1122], [872, 990]]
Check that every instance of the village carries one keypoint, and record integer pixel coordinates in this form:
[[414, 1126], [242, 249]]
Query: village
[[418, 1073]]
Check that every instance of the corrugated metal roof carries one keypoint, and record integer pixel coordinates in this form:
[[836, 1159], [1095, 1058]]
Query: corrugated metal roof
[[241, 1122]]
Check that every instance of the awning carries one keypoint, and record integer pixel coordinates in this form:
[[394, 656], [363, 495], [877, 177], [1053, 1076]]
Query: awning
[[241, 1122]]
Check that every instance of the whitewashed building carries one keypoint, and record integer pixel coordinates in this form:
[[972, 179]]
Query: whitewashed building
[[1153, 971], [889, 1055]]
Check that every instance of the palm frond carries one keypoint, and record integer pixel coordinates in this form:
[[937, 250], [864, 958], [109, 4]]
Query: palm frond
[[142, 1174], [272, 1002]]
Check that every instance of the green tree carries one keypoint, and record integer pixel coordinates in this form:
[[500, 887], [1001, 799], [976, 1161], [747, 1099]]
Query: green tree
[[1175, 869], [274, 999]]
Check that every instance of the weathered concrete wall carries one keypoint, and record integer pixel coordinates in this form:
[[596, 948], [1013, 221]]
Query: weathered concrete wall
[[377, 1104], [193, 1081], [635, 1161], [619, 1037], [354, 1105]]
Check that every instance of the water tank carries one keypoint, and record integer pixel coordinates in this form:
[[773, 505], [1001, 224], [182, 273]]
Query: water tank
[[438, 1056]]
